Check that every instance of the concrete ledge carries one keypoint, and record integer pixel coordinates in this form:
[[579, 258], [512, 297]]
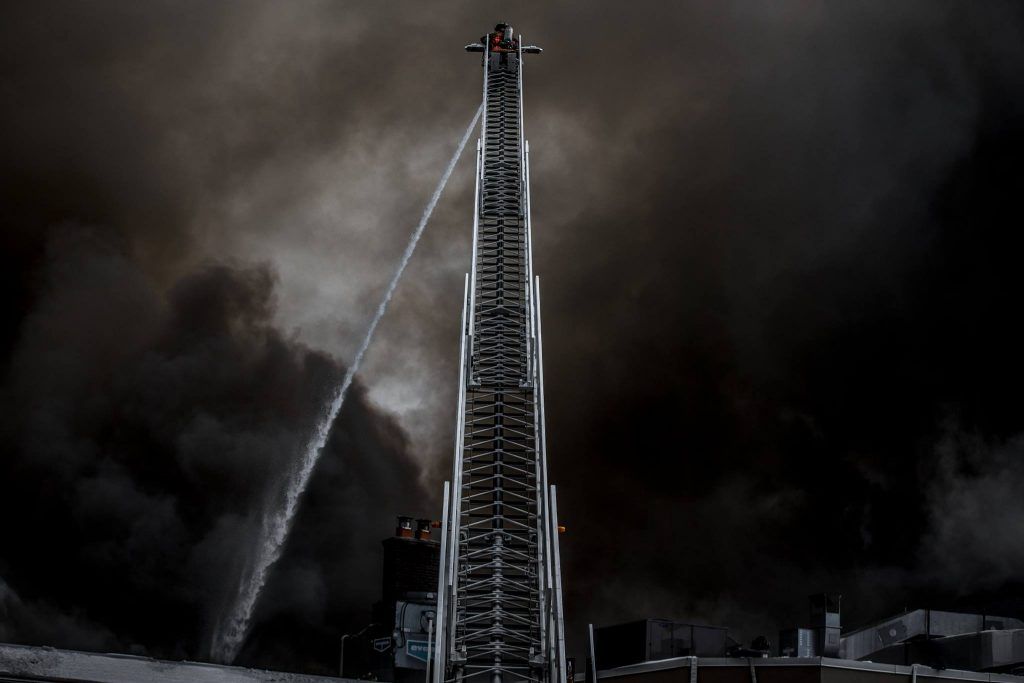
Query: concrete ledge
[[28, 663]]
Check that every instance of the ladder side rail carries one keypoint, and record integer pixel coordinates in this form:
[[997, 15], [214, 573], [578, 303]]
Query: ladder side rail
[[524, 151], [543, 518], [440, 616], [476, 194], [453, 532], [542, 523], [528, 215], [559, 676], [550, 527]]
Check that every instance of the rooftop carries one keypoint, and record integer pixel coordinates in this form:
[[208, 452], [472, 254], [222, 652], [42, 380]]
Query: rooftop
[[28, 663]]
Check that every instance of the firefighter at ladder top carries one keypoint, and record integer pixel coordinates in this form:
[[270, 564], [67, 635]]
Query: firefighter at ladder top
[[502, 39]]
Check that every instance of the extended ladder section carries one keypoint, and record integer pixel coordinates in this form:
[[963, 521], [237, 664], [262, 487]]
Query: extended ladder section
[[499, 616]]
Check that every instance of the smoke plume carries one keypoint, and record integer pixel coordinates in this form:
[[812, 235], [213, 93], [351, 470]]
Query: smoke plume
[[779, 257]]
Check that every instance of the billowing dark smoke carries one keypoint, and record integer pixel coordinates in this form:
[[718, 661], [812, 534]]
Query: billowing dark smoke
[[279, 512], [147, 430], [779, 256]]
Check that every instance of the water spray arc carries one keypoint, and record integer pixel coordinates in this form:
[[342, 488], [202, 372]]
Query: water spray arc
[[233, 628]]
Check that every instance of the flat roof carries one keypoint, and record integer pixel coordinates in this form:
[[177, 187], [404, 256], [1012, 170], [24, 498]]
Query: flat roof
[[822, 662], [31, 663]]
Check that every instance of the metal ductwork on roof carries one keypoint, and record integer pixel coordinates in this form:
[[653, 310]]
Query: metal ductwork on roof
[[941, 639]]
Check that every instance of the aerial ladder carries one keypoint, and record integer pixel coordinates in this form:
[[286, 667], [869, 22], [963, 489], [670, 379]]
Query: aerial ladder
[[499, 610]]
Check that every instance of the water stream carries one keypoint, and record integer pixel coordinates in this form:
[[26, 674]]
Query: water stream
[[232, 629]]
